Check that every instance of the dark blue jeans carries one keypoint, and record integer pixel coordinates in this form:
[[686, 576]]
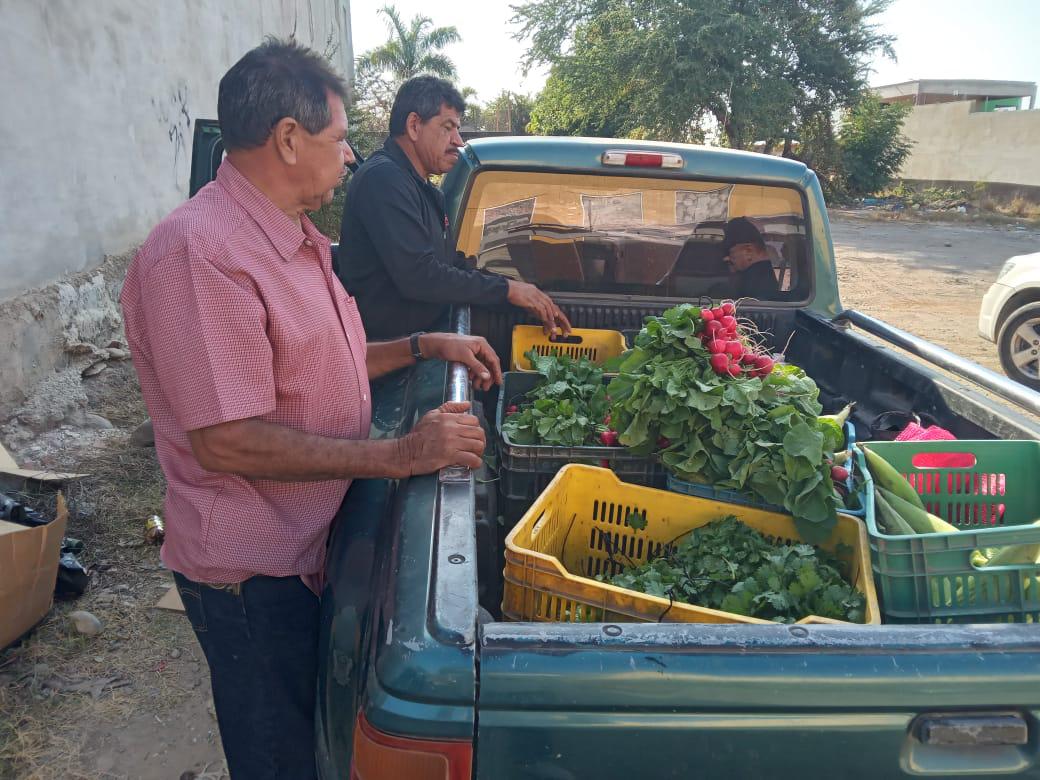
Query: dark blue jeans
[[261, 643]]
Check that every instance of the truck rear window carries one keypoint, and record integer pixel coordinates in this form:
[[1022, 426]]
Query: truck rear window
[[637, 236]]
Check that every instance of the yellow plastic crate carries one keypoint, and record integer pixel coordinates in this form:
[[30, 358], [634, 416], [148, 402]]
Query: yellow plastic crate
[[584, 512], [597, 346]]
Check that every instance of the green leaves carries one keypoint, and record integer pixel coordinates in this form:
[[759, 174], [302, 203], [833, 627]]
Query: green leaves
[[549, 421], [804, 442], [760, 436], [566, 409], [729, 566], [659, 69]]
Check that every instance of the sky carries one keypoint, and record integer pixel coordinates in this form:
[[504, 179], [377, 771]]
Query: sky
[[487, 59], [936, 39]]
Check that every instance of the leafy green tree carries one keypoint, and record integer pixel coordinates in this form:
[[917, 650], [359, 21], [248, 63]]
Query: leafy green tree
[[368, 117], [819, 149], [474, 116], [508, 112], [872, 144], [413, 48], [672, 69], [857, 152]]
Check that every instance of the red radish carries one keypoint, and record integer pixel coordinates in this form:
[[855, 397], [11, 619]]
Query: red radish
[[765, 364], [663, 441], [728, 321], [749, 359], [512, 409], [733, 369], [707, 315], [716, 346], [609, 438], [713, 327], [734, 349], [839, 473], [720, 363], [728, 308], [718, 312]]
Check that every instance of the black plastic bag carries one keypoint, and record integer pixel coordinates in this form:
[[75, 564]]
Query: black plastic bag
[[73, 577]]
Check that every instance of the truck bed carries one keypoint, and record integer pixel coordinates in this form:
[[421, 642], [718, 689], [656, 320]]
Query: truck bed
[[560, 700], [670, 700]]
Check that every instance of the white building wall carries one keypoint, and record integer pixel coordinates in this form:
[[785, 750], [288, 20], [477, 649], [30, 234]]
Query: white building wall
[[99, 99]]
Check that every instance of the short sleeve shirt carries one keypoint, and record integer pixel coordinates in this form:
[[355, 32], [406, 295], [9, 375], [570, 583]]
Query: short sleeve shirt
[[232, 311]]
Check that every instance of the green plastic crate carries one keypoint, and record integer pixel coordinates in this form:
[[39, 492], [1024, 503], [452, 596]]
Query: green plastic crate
[[993, 496]]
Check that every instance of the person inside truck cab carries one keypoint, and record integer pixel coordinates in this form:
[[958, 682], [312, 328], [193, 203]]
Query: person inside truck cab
[[396, 255], [749, 260], [255, 370]]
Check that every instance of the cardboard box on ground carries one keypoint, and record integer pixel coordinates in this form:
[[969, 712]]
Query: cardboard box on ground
[[28, 570]]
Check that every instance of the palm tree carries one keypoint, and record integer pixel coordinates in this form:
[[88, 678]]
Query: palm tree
[[413, 48]]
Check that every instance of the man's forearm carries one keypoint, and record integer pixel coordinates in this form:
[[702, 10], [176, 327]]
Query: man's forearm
[[387, 356], [263, 450]]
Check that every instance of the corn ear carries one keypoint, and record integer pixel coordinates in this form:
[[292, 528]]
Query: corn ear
[[889, 517], [886, 476], [1015, 554], [921, 521]]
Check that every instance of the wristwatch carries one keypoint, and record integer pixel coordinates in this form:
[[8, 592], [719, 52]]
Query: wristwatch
[[413, 344]]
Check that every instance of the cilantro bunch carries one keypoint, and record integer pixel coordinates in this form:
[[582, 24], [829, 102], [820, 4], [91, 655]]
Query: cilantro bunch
[[729, 566], [758, 435], [566, 408]]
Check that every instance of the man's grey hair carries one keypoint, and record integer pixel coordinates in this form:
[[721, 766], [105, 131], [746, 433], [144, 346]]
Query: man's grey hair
[[423, 95], [275, 80]]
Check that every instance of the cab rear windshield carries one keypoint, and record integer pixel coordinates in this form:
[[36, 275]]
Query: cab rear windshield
[[638, 236]]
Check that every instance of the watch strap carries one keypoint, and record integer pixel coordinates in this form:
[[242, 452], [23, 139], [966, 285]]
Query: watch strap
[[413, 344]]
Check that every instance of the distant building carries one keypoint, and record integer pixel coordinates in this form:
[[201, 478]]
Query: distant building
[[971, 133], [989, 95]]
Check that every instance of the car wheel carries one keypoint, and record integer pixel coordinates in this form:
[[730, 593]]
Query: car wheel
[[1019, 346]]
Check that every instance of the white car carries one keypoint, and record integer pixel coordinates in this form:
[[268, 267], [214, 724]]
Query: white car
[[1010, 317]]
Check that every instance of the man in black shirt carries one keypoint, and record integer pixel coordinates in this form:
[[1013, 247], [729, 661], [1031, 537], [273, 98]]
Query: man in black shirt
[[396, 255], [749, 260]]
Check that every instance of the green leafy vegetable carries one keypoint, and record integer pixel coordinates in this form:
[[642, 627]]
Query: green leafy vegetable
[[758, 434], [728, 565], [566, 408]]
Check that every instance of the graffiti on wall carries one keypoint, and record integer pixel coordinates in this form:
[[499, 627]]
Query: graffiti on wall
[[175, 118]]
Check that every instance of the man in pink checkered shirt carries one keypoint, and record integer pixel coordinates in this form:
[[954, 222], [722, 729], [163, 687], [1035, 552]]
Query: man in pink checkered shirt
[[255, 369]]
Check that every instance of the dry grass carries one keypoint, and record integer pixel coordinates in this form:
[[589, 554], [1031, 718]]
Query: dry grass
[[950, 217], [1020, 207], [43, 729]]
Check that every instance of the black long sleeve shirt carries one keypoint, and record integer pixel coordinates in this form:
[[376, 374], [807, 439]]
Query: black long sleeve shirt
[[758, 281], [396, 256]]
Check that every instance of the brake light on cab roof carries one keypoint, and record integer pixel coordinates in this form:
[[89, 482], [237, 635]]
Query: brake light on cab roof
[[633, 159]]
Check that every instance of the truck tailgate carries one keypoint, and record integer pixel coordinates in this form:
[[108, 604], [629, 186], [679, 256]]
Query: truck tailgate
[[672, 700]]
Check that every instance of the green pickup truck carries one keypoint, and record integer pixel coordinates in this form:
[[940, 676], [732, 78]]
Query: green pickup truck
[[422, 678]]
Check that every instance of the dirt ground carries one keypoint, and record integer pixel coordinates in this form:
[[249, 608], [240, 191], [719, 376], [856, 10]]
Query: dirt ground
[[926, 278], [134, 701]]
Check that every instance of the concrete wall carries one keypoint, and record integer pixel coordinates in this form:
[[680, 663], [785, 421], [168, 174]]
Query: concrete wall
[[954, 144], [98, 105]]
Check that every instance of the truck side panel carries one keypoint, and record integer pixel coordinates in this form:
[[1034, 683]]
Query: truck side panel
[[738, 701]]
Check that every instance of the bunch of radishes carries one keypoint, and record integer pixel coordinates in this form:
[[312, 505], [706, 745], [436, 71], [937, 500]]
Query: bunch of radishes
[[730, 354]]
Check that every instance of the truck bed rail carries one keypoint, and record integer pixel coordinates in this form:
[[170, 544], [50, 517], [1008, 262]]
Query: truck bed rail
[[453, 607], [1020, 395]]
